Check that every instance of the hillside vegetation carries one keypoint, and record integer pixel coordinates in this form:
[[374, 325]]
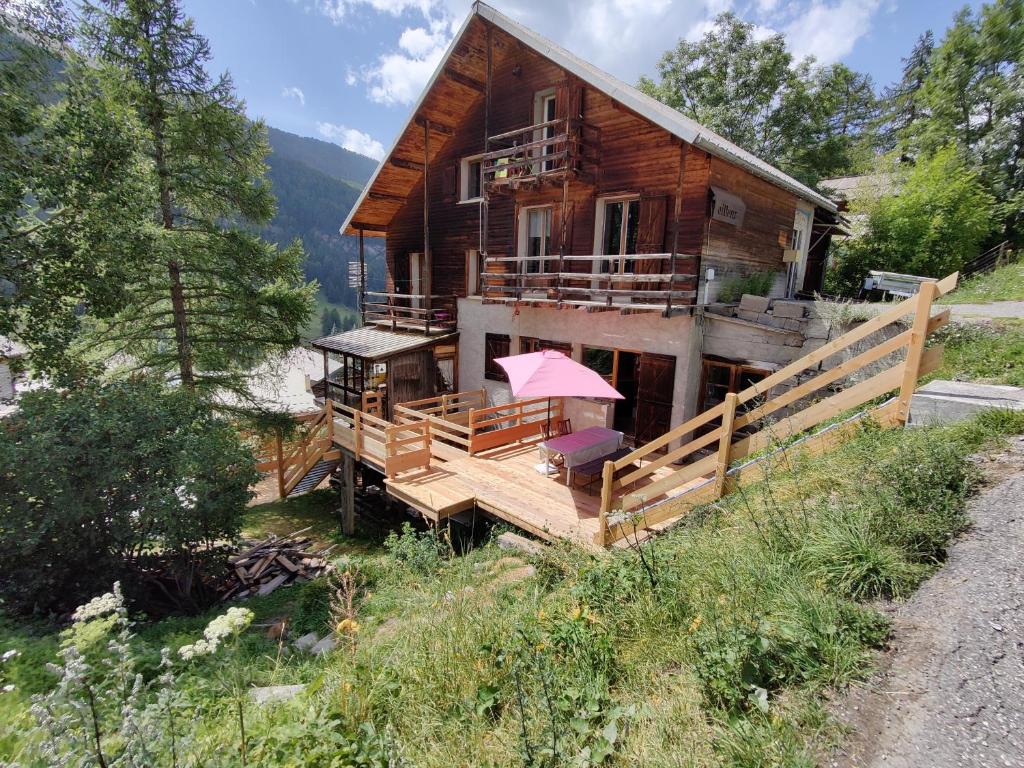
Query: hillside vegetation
[[713, 645]]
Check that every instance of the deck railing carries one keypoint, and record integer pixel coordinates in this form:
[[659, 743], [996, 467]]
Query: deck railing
[[292, 459], [462, 419], [408, 311], [634, 498], [611, 282], [530, 154]]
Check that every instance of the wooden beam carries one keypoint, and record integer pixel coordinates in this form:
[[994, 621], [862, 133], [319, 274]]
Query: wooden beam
[[387, 197], [469, 82], [446, 130], [427, 265], [409, 165], [361, 225]]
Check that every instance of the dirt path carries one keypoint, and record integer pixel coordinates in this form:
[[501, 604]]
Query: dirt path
[[950, 691]]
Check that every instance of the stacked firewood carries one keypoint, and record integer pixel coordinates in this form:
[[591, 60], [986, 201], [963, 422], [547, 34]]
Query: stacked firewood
[[261, 567]]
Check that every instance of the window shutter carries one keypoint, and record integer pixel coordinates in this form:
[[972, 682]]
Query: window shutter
[[450, 183], [651, 232]]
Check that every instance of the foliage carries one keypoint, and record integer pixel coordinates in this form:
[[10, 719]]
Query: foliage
[[1004, 283], [935, 223], [422, 553], [98, 478], [757, 284], [804, 119], [211, 299]]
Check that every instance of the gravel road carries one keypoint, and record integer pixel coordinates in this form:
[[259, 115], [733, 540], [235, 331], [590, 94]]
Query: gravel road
[[950, 689], [1009, 309]]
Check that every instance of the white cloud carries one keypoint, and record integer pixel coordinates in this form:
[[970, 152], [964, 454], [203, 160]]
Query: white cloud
[[294, 93], [625, 37], [351, 78], [829, 32], [352, 139]]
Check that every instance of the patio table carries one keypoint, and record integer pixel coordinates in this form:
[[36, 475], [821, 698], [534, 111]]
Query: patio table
[[583, 446]]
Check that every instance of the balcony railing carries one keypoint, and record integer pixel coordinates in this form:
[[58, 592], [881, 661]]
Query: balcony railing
[[409, 312], [598, 282], [544, 151]]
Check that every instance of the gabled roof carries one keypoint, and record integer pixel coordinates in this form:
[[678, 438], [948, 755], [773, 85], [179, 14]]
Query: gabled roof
[[659, 114]]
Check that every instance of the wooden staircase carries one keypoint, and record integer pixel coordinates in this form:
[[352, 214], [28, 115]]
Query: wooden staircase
[[302, 463]]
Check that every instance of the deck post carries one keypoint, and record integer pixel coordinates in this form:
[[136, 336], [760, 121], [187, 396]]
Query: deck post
[[362, 279], [607, 479], [919, 334], [280, 462], [357, 434], [428, 267], [348, 495], [329, 410], [725, 444], [675, 231]]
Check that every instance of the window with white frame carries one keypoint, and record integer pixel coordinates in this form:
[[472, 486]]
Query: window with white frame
[[534, 237], [544, 112], [617, 225], [470, 179]]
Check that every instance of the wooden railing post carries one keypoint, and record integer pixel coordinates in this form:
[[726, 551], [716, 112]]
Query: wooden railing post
[[280, 464], [918, 336], [607, 480], [357, 434], [725, 444], [329, 410]]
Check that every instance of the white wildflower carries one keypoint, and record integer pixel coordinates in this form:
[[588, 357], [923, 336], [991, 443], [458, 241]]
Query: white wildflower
[[111, 602], [11, 654], [232, 623]]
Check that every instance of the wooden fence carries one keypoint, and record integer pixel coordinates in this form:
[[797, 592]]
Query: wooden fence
[[634, 498], [293, 459], [460, 418]]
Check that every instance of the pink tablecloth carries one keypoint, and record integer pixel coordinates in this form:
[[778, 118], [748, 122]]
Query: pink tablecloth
[[583, 446]]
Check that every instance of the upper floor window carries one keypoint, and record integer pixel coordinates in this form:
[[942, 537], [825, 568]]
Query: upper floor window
[[544, 111], [470, 179], [534, 237], [495, 345], [618, 223]]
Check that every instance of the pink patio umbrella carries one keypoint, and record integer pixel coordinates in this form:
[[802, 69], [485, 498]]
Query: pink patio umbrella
[[551, 374]]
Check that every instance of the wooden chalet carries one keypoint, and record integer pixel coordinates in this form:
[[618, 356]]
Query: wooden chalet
[[532, 201]]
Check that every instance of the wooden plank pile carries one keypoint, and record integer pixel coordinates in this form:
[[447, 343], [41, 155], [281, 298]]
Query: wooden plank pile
[[264, 566]]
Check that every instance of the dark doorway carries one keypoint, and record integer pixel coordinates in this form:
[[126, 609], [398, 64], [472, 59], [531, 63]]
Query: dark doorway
[[627, 383]]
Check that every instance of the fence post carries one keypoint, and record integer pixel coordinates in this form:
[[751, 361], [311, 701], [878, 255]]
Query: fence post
[[357, 434], [280, 462], [725, 444], [329, 410], [607, 479], [918, 336], [472, 431]]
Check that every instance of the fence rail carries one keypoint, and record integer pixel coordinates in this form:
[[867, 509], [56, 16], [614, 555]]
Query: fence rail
[[639, 499], [409, 311]]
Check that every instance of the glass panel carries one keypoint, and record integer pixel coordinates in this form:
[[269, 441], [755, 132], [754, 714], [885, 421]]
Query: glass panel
[[632, 228], [612, 232], [473, 182], [538, 236], [600, 361]]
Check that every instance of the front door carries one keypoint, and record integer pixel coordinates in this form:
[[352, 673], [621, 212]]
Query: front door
[[655, 388]]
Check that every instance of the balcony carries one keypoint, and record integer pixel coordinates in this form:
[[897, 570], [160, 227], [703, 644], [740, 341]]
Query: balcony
[[410, 312], [544, 152], [648, 282]]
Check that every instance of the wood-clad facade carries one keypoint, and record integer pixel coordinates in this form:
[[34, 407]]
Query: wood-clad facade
[[524, 186]]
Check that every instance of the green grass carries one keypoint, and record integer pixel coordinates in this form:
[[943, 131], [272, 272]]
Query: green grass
[[318, 511], [717, 647], [1002, 284], [988, 353]]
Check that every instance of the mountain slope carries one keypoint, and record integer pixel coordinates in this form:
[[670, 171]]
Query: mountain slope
[[313, 199], [330, 159]]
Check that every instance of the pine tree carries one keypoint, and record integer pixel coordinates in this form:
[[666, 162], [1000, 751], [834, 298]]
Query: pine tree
[[903, 100], [214, 299]]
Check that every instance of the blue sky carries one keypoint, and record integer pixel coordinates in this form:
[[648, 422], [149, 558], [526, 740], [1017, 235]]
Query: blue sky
[[348, 71]]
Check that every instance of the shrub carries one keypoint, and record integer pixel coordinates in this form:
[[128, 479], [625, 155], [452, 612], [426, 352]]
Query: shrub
[[422, 553], [93, 481], [757, 284]]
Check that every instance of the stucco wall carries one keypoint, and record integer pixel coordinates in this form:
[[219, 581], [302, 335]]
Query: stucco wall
[[647, 332]]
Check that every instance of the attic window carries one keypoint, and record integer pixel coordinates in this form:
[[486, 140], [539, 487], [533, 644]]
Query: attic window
[[470, 179]]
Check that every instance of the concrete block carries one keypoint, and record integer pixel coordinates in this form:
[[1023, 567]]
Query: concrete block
[[326, 645], [817, 328], [513, 541], [751, 316], [752, 303], [789, 309], [943, 402]]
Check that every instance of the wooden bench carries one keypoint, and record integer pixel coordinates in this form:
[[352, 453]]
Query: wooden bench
[[593, 469]]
